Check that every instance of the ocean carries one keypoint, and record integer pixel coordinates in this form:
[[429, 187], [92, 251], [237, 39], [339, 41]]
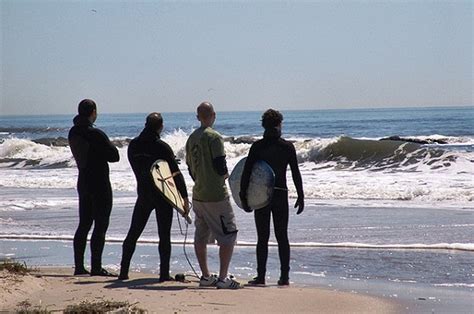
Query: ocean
[[389, 197]]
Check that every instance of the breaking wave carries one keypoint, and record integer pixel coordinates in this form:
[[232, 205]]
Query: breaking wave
[[371, 172], [339, 153]]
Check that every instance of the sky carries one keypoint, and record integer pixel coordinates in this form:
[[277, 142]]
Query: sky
[[142, 56]]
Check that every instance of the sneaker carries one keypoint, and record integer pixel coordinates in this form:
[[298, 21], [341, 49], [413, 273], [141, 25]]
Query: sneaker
[[210, 281], [103, 272], [228, 283], [257, 281]]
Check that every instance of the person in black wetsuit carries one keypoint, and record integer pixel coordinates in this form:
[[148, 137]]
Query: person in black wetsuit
[[143, 151], [92, 151], [278, 153]]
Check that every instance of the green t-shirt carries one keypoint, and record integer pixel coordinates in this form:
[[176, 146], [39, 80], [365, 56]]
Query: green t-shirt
[[203, 145]]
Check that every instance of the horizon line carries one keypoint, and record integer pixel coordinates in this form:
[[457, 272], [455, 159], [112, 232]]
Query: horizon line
[[230, 111]]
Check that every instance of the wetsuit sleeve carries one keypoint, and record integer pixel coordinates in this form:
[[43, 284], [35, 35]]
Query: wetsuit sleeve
[[179, 179], [218, 156], [244, 181], [295, 172], [109, 151], [80, 149], [220, 165], [188, 161]]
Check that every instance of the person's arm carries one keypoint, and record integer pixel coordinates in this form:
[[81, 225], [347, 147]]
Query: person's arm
[[109, 151], [220, 165], [295, 173], [218, 157], [188, 161], [79, 148], [178, 176], [245, 179]]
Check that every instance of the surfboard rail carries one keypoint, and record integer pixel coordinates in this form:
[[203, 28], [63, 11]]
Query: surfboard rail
[[261, 184], [166, 186]]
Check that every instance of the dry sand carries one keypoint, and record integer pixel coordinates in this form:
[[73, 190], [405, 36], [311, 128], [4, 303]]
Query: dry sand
[[55, 288]]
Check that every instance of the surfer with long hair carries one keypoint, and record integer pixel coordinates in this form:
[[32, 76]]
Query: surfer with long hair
[[278, 153]]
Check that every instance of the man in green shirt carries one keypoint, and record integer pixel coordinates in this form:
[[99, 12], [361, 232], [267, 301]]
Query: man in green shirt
[[214, 216]]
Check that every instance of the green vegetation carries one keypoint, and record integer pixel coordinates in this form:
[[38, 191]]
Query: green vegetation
[[103, 306], [25, 307], [98, 307], [15, 267]]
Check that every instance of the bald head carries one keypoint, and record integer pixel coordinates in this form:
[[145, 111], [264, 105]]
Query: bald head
[[205, 110], [154, 121], [206, 114]]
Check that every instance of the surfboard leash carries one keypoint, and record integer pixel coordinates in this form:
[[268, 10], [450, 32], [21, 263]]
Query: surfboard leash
[[185, 234]]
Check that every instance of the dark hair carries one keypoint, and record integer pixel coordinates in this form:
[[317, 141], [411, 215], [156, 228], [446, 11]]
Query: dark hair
[[271, 118], [154, 121], [86, 107]]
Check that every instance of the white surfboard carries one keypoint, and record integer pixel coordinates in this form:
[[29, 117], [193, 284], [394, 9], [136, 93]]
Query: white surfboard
[[261, 184], [164, 182]]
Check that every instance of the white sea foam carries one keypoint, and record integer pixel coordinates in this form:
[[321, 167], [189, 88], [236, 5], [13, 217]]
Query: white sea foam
[[308, 245], [305, 273], [391, 175], [457, 284], [411, 246]]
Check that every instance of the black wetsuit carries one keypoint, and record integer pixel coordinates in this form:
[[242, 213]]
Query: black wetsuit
[[278, 153], [143, 151], [92, 151]]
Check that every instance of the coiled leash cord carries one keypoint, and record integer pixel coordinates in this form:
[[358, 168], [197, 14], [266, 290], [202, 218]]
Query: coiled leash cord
[[185, 234]]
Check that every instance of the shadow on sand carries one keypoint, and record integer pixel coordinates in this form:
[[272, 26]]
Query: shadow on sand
[[151, 284]]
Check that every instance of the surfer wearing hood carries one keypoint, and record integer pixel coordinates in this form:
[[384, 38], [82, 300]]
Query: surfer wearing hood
[[92, 151], [143, 151], [278, 153]]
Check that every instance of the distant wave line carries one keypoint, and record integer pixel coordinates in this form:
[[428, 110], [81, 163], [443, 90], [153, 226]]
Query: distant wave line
[[345, 245]]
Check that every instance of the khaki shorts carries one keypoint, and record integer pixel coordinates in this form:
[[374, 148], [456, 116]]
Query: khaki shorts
[[214, 221]]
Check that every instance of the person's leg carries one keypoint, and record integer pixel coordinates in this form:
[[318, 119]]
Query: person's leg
[[280, 225], [164, 218], [221, 218], [225, 256], [201, 235], [262, 223], [80, 237], [141, 213], [102, 209], [201, 254], [201, 238]]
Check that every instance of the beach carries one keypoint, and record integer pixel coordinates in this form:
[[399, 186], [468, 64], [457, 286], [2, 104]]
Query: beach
[[54, 288], [432, 277]]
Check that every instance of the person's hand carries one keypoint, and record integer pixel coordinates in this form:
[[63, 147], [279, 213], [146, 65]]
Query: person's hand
[[300, 204], [186, 206], [243, 201]]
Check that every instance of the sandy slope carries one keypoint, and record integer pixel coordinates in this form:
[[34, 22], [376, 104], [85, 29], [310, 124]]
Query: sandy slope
[[55, 288]]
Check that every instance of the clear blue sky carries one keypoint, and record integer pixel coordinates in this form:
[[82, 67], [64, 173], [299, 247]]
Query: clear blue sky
[[169, 56]]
